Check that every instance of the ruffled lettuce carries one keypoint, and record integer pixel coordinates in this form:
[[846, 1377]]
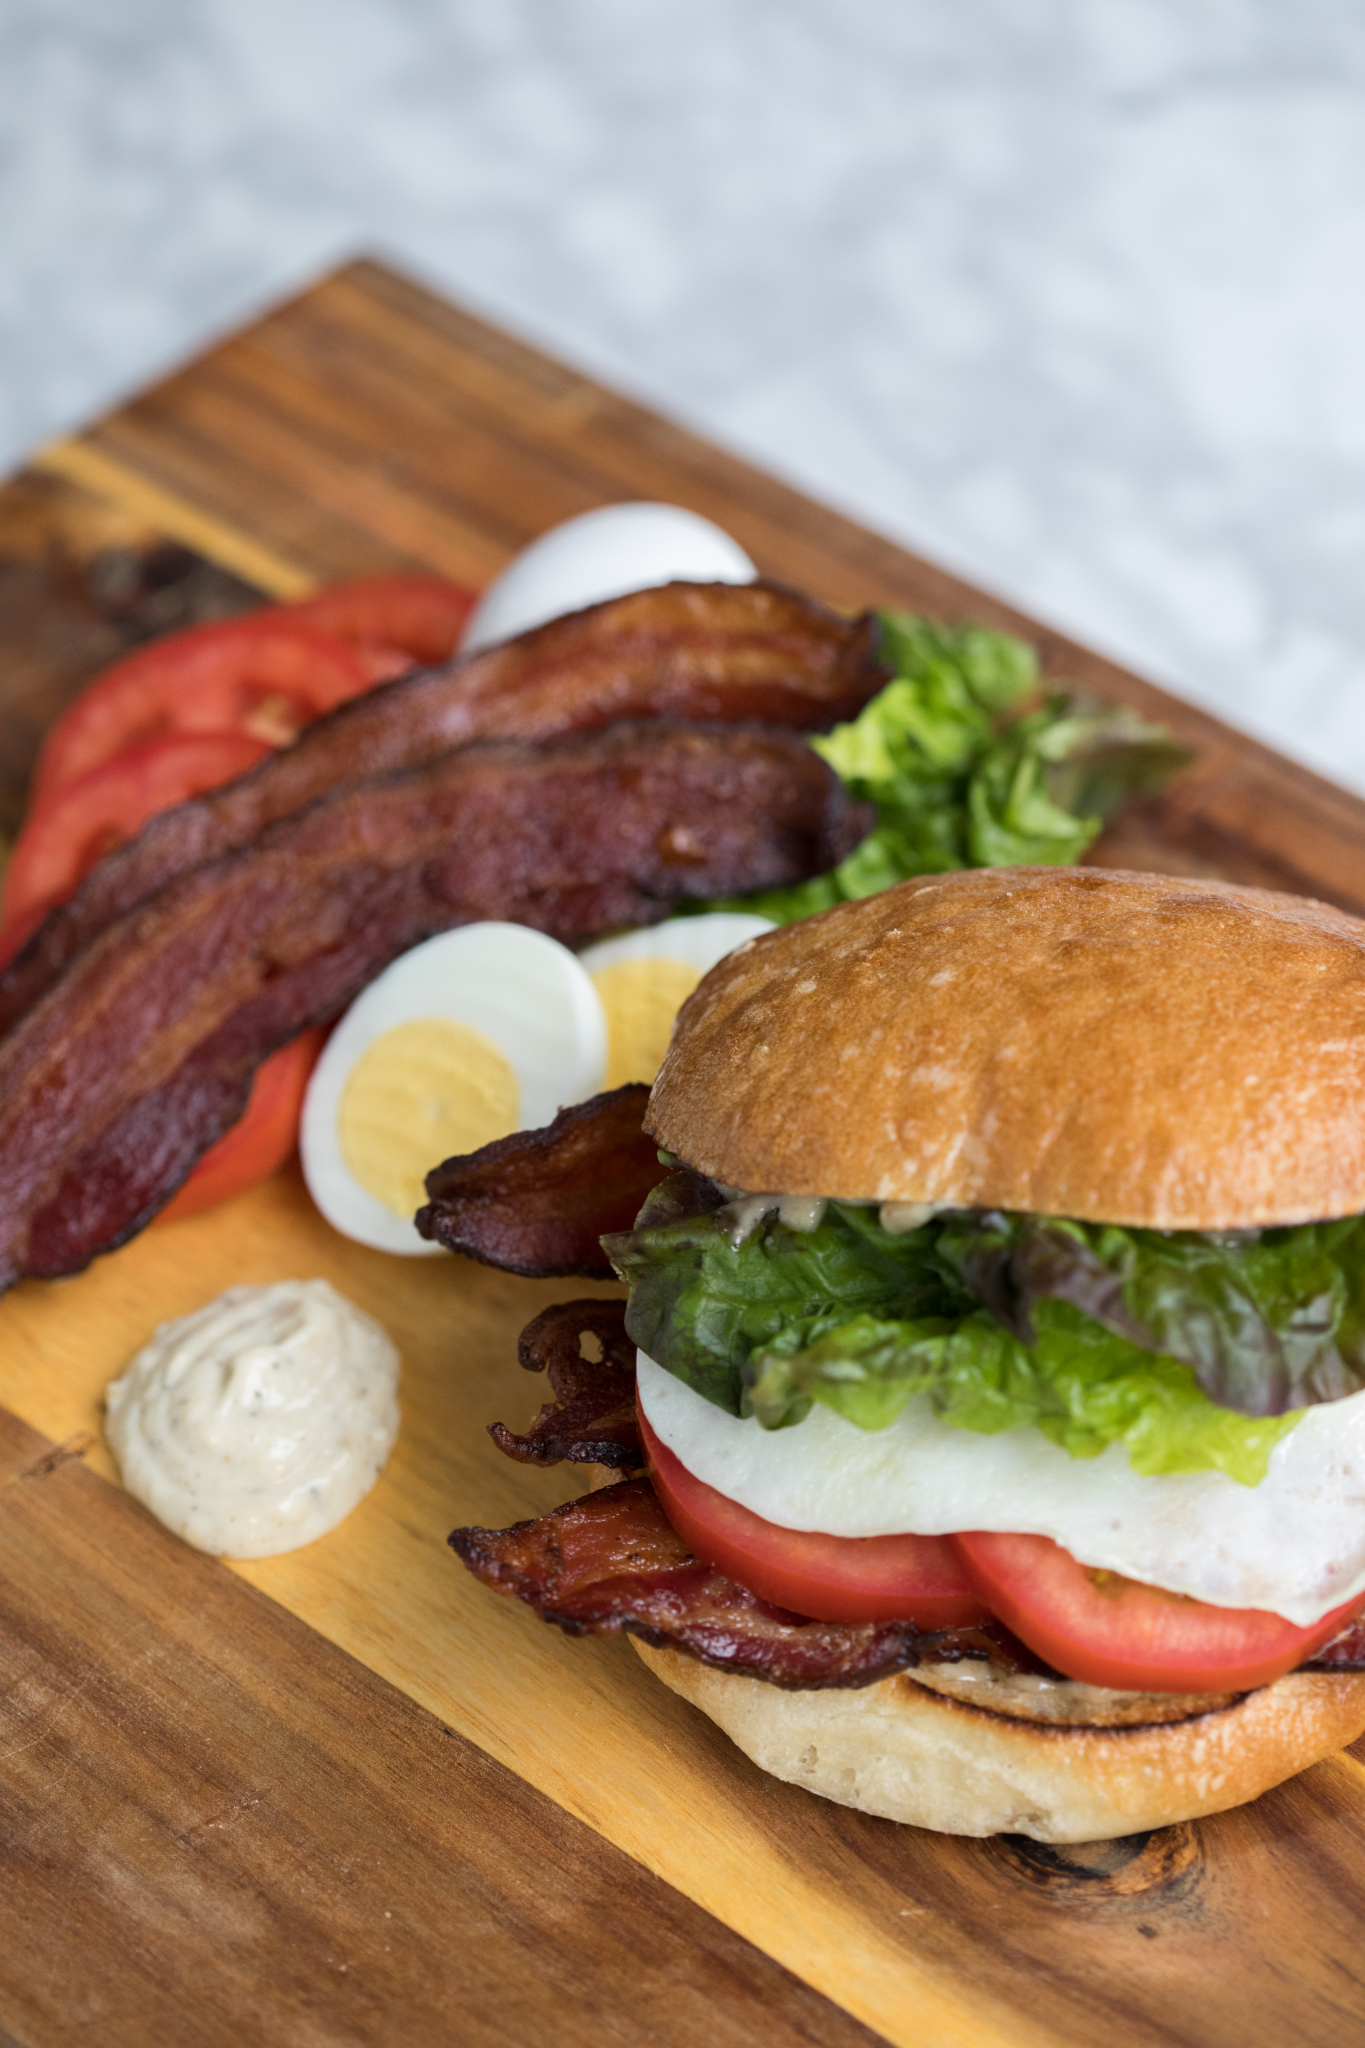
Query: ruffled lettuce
[[956, 783], [1083, 1387], [1268, 1319], [702, 1306], [862, 1321]]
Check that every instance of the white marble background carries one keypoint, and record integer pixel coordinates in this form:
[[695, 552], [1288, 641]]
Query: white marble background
[[1067, 293]]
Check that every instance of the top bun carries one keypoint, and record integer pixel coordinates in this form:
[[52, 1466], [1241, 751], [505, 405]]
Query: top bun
[[1120, 1048]]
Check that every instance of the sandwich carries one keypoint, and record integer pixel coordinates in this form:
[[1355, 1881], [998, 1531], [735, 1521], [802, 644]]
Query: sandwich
[[990, 1386]]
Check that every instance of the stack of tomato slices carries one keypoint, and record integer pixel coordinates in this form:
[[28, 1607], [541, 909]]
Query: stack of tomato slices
[[1090, 1625], [183, 715]]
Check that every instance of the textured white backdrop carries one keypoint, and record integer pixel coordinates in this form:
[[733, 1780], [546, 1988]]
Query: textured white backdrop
[[1069, 294]]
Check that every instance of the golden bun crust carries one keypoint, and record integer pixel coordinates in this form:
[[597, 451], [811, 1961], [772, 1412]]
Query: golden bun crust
[[912, 1755], [1123, 1048]]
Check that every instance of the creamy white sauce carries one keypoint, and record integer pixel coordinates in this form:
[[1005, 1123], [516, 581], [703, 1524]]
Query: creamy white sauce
[[257, 1423], [743, 1213], [1295, 1544], [898, 1218]]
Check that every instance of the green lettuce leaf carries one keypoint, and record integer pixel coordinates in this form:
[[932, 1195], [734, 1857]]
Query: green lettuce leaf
[[1082, 1386], [1269, 1320], [700, 1305], [953, 785], [861, 1321]]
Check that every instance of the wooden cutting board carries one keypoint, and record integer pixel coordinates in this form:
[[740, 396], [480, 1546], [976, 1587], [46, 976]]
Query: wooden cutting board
[[347, 1795]]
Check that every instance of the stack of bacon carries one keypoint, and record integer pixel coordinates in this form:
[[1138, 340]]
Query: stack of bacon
[[591, 774]]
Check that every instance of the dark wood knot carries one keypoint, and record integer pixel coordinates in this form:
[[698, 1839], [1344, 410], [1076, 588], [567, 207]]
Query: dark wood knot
[[1163, 1860]]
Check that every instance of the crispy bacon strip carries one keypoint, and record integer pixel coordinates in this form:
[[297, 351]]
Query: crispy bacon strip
[[612, 1563], [145, 1051], [707, 651], [591, 1420], [540, 1201]]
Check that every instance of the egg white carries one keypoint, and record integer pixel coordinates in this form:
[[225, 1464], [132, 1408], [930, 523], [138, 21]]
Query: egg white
[[523, 991], [1294, 1545], [697, 941], [605, 553]]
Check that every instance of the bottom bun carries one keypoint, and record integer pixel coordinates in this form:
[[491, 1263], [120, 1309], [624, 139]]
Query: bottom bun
[[899, 1750]]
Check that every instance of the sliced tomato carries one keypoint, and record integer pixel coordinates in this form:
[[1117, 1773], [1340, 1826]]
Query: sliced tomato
[[263, 1137], [1109, 1630], [263, 677], [77, 824], [392, 621], [829, 1578]]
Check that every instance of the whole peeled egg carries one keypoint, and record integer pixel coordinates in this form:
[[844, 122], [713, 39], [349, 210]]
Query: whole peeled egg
[[488, 1029], [605, 553]]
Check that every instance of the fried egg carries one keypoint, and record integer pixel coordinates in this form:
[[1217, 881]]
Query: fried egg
[[602, 554], [482, 1031], [1294, 1545], [643, 979]]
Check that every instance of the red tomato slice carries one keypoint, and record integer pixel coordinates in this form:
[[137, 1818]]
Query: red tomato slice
[[67, 833], [393, 621], [263, 677], [1108, 1630], [263, 1137], [74, 826], [829, 1578]]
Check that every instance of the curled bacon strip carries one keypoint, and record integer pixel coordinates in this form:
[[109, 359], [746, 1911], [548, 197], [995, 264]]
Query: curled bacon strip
[[591, 1420], [538, 1202], [612, 1563], [706, 651], [145, 1050]]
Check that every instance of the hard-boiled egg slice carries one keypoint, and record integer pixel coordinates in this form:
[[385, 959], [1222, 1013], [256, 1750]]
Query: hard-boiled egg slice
[[482, 1031], [602, 554], [645, 977]]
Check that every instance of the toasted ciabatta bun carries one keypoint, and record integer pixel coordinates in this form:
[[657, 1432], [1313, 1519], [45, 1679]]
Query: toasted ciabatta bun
[[912, 1754], [1122, 1048]]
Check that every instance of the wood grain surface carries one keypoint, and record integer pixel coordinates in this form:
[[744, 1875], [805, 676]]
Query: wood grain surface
[[218, 1831], [367, 426]]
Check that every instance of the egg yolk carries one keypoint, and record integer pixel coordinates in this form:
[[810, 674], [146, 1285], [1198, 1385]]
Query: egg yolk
[[641, 998], [423, 1092]]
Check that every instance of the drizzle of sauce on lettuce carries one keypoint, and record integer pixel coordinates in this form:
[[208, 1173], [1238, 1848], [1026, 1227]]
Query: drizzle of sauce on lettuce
[[1196, 1351]]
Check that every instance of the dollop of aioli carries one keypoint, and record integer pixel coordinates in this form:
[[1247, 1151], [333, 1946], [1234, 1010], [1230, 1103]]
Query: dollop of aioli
[[256, 1424]]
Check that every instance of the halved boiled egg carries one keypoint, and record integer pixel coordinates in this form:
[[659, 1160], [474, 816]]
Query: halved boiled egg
[[602, 554], [644, 978], [482, 1031]]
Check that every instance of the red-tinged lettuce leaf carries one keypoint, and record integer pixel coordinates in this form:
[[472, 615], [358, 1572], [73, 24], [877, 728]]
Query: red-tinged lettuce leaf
[[591, 1420], [539, 1202], [1268, 1320], [613, 1564], [719, 651], [145, 1050], [863, 1321]]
